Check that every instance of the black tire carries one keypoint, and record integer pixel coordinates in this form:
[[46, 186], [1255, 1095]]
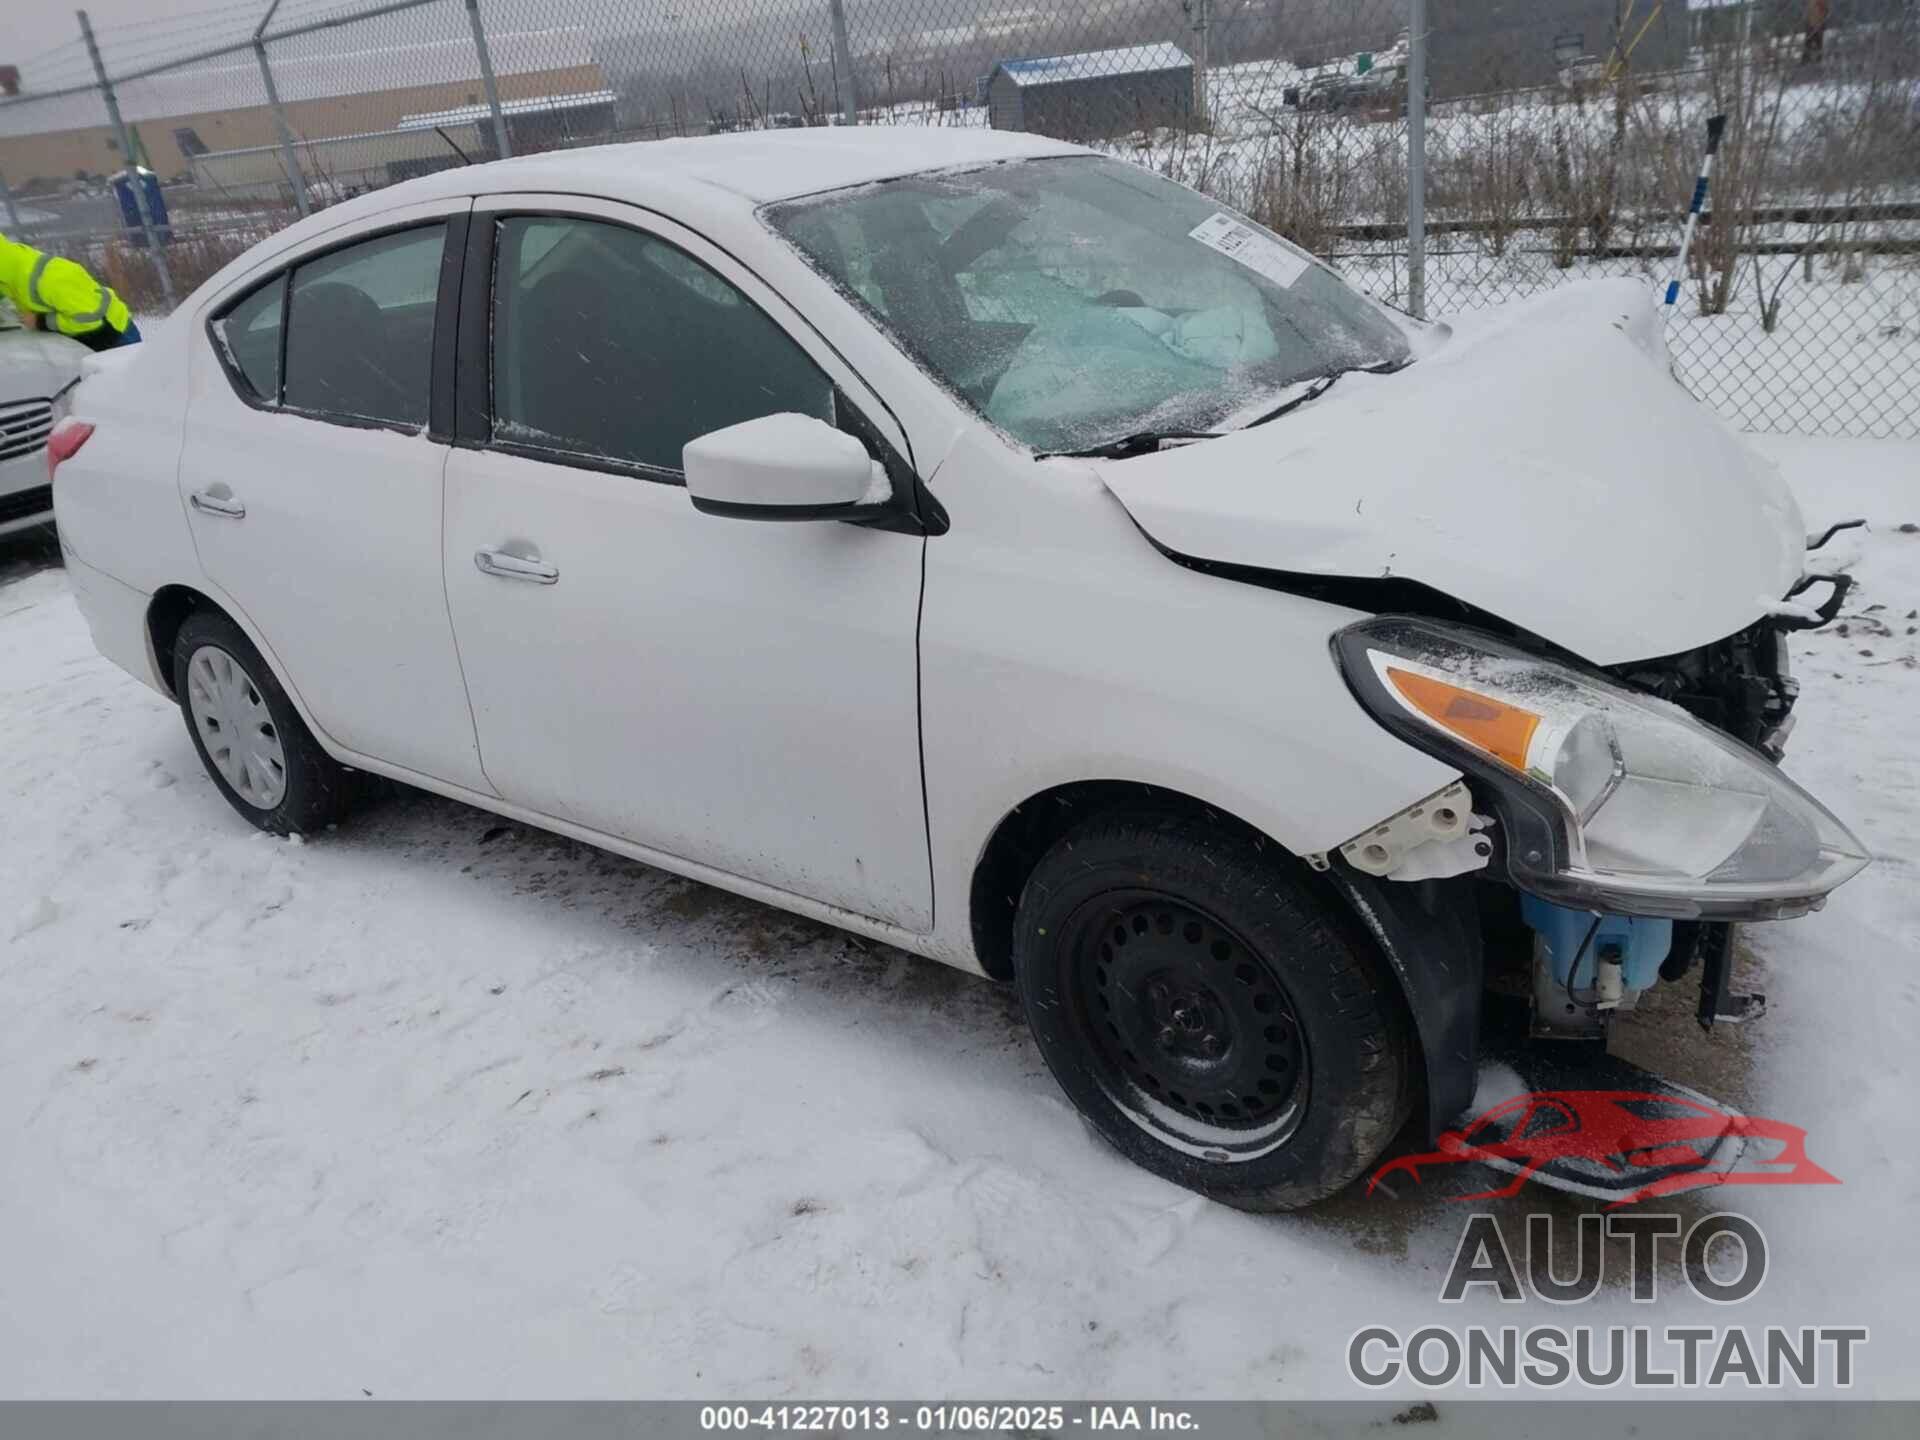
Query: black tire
[[1161, 950], [316, 789]]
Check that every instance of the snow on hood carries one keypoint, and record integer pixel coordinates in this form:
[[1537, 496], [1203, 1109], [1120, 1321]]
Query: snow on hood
[[1541, 464]]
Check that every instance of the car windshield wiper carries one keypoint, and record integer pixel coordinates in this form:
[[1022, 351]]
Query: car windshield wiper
[[1287, 407], [1141, 442], [1146, 442]]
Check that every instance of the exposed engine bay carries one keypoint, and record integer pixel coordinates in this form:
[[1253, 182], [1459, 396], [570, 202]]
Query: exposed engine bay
[[1742, 685]]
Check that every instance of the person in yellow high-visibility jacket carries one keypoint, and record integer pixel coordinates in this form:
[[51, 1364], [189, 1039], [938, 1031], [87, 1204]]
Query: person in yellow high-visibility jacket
[[57, 294]]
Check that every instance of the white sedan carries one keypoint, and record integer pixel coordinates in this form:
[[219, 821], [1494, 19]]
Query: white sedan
[[957, 537]]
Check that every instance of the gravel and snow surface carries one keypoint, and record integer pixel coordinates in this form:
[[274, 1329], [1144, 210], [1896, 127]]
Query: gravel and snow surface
[[438, 1105]]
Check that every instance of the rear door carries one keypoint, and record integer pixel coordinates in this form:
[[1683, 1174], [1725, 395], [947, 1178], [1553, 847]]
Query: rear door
[[735, 693], [313, 471]]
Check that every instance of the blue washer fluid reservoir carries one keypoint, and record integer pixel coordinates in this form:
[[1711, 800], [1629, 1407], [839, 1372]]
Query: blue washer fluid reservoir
[[1640, 941]]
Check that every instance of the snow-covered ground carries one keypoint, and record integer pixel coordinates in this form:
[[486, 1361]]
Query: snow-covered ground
[[437, 1105]]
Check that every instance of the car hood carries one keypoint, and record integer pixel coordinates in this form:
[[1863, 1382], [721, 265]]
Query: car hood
[[1540, 463], [34, 364]]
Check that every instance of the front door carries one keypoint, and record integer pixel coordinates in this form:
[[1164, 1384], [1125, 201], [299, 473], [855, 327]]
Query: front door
[[734, 693], [315, 494]]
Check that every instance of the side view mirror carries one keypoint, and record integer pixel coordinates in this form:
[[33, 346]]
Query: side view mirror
[[784, 467]]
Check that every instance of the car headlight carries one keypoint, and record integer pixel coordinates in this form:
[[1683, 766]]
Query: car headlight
[[1610, 799]]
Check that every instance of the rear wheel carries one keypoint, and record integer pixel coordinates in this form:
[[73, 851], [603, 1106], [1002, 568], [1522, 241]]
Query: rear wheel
[[252, 741], [1209, 1013]]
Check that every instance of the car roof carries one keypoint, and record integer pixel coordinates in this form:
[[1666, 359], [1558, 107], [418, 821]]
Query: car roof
[[755, 166], [767, 165]]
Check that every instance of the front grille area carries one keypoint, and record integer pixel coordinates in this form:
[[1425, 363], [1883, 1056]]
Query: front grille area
[[24, 427], [22, 503]]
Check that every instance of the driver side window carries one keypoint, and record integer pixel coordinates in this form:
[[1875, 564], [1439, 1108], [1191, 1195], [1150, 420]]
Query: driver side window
[[613, 344]]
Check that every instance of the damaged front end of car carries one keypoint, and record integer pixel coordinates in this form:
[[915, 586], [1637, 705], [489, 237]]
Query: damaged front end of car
[[1611, 828]]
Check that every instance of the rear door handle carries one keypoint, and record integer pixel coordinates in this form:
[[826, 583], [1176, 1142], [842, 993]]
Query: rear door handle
[[508, 566], [207, 503]]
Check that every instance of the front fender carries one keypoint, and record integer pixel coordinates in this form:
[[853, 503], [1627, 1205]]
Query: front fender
[[1430, 932]]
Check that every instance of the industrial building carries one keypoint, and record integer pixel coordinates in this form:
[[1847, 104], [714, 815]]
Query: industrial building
[[343, 165], [1094, 95], [221, 107]]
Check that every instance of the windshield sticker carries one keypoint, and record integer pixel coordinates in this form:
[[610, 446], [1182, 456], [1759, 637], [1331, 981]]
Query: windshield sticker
[[1252, 249]]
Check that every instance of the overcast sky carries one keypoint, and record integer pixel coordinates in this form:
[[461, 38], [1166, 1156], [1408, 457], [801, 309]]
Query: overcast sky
[[140, 9], [141, 31], [58, 19], [52, 25]]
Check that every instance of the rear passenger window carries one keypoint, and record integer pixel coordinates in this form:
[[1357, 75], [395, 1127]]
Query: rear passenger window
[[250, 335], [360, 328]]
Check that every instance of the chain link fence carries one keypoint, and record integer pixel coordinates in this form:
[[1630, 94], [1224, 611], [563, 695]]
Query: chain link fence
[[1559, 138], [1559, 149]]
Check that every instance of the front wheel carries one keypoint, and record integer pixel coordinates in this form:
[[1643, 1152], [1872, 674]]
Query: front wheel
[[1209, 1013]]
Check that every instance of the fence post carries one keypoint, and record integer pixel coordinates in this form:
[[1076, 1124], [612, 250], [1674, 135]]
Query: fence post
[[152, 235], [843, 61], [500, 140], [1417, 158], [288, 158], [1202, 26]]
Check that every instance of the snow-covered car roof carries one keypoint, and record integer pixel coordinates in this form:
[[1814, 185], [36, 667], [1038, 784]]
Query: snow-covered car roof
[[757, 166]]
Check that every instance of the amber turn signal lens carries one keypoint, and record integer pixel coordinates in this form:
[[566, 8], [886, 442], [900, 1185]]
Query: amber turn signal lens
[[1503, 731]]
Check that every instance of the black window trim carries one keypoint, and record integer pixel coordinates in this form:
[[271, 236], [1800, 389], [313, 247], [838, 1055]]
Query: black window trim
[[236, 377], [442, 372], [917, 511]]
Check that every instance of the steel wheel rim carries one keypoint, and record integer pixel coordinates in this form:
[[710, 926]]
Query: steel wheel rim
[[230, 716], [1190, 1033]]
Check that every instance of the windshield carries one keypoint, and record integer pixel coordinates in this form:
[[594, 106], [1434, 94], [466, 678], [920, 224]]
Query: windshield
[[1076, 300]]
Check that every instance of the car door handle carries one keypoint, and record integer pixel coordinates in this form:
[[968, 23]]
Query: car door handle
[[207, 503], [509, 566]]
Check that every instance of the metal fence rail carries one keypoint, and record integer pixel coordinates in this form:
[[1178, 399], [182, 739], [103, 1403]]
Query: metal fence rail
[[1446, 155]]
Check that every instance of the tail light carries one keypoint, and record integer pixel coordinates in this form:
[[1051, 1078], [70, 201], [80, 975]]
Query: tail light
[[64, 443]]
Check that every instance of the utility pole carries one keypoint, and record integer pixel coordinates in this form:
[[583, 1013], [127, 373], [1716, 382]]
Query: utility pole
[[134, 178], [288, 159], [1417, 158]]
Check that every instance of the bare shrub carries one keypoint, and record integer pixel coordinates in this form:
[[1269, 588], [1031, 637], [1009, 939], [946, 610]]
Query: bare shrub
[[191, 259], [1302, 188]]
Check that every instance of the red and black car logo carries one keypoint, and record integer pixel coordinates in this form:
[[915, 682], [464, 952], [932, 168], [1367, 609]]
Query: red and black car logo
[[1622, 1146]]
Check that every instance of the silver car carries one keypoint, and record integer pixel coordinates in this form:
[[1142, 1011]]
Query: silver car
[[37, 374]]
